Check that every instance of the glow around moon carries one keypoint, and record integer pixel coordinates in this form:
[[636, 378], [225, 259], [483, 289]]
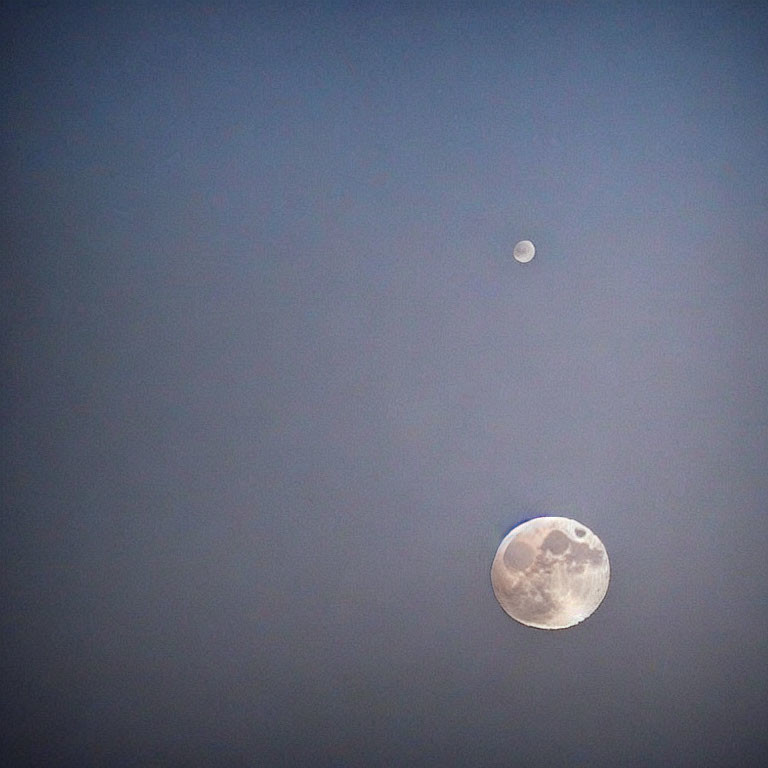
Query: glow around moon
[[524, 251], [550, 573]]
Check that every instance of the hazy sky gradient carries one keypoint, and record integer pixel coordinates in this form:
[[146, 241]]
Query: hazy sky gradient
[[274, 388]]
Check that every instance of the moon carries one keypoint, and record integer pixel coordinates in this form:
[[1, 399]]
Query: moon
[[550, 573], [524, 251]]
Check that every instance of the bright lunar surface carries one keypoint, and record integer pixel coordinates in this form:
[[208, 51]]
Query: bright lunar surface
[[524, 251], [550, 572]]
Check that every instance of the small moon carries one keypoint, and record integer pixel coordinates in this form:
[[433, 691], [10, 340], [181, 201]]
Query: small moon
[[524, 251], [550, 573]]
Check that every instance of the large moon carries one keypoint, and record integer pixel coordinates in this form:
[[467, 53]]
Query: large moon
[[550, 572], [524, 251]]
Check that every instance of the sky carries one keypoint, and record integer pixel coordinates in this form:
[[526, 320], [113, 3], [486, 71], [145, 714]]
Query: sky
[[274, 388]]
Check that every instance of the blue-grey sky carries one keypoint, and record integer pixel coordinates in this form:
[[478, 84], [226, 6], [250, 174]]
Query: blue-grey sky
[[274, 388]]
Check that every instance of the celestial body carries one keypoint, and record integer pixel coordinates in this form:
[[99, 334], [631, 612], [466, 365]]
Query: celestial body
[[524, 251], [550, 573]]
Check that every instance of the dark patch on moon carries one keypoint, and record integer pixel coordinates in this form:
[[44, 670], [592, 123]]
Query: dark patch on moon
[[556, 542], [518, 555], [583, 553], [580, 532], [532, 601]]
